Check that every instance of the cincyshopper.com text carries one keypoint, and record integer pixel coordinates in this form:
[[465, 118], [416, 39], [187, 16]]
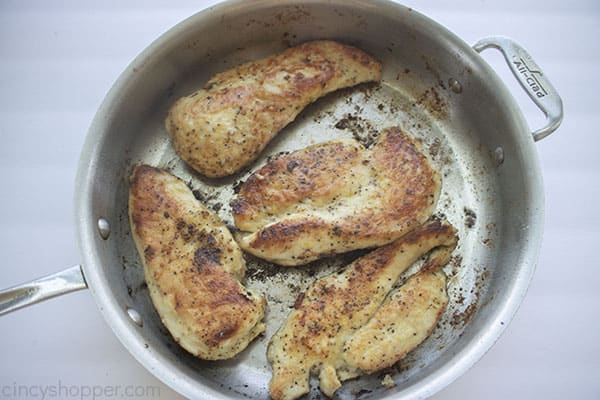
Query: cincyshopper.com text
[[61, 390]]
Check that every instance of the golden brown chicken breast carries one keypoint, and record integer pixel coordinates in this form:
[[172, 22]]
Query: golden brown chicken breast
[[334, 197], [326, 332], [193, 268], [222, 128], [404, 320]]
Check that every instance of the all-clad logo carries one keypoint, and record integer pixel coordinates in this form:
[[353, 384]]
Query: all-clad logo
[[529, 76]]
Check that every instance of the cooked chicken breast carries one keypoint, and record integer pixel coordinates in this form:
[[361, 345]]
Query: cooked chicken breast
[[193, 268], [222, 128], [334, 197], [404, 320], [326, 332]]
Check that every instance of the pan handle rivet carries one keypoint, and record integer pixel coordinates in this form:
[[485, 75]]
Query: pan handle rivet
[[499, 155], [103, 228], [455, 85], [135, 316]]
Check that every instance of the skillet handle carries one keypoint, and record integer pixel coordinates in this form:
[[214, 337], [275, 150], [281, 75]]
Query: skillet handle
[[531, 78], [69, 280]]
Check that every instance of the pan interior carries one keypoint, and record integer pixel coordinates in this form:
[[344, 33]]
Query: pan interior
[[432, 88]]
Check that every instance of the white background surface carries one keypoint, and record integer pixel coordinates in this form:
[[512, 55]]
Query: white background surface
[[58, 60]]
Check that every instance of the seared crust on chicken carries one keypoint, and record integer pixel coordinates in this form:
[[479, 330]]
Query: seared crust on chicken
[[193, 268], [404, 320], [334, 197], [222, 128], [335, 308]]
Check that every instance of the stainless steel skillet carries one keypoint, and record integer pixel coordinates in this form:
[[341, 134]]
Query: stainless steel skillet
[[435, 86]]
